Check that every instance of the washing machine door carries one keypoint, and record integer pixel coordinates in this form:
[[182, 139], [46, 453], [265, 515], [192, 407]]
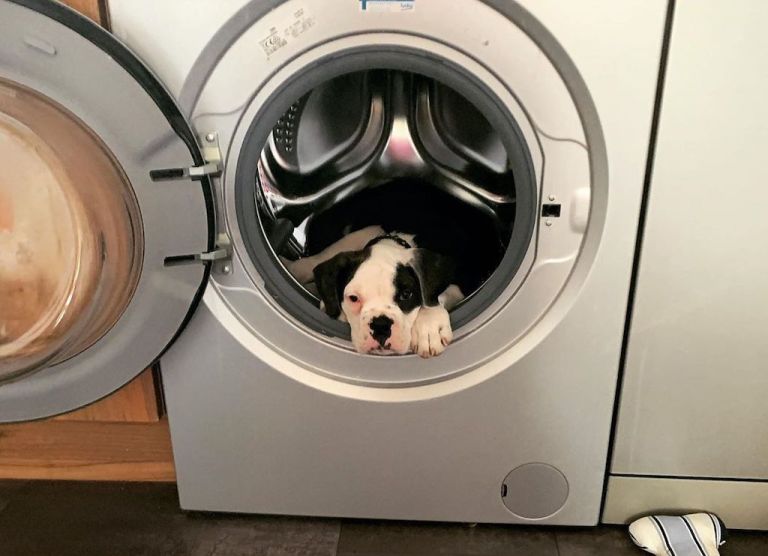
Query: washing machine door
[[106, 213]]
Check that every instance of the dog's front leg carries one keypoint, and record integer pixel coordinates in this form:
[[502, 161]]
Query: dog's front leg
[[431, 331]]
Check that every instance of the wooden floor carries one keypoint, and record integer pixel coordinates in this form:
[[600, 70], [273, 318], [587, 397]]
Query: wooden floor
[[87, 450]]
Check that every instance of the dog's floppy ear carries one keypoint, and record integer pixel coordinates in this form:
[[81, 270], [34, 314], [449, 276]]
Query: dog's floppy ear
[[435, 272], [332, 276]]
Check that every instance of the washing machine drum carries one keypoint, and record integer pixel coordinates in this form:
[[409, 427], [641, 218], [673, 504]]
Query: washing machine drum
[[388, 147]]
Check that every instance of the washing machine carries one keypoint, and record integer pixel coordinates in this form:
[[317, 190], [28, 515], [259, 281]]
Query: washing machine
[[179, 162]]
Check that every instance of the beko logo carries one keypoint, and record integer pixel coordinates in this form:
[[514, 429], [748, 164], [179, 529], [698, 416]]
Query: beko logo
[[387, 5]]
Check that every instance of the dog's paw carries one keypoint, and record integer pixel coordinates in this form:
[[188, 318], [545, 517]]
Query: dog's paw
[[431, 331]]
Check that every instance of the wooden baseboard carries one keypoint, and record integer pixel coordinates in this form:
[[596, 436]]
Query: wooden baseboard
[[94, 9], [136, 402], [87, 451]]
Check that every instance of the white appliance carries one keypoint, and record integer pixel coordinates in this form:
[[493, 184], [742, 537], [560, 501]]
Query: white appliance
[[692, 421], [270, 409]]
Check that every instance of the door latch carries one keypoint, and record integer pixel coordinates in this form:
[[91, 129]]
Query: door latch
[[221, 252]]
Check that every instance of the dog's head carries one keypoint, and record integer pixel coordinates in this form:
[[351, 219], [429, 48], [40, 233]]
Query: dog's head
[[379, 290]]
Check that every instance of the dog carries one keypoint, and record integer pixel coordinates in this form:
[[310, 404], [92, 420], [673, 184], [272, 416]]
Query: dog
[[394, 294], [402, 262]]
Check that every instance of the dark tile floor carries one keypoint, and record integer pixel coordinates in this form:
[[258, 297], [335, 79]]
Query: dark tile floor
[[114, 519]]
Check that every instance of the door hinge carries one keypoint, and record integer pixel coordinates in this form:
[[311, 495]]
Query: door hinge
[[221, 256], [221, 252], [217, 256], [212, 167], [210, 147], [208, 169]]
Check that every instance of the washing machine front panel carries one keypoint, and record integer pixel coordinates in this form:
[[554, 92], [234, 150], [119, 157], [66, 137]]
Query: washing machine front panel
[[551, 114], [534, 423], [96, 275], [281, 439]]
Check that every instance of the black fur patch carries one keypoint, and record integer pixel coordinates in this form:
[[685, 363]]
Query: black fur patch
[[332, 276], [407, 288], [435, 273]]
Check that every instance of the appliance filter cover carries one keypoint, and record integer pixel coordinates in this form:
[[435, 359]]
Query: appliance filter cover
[[534, 490]]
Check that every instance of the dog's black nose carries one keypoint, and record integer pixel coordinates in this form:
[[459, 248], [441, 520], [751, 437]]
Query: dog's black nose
[[381, 328]]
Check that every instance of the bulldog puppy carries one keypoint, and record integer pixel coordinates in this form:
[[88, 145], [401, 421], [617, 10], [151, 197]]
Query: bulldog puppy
[[394, 295]]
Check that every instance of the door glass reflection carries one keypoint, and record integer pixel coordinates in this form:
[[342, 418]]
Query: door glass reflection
[[70, 234]]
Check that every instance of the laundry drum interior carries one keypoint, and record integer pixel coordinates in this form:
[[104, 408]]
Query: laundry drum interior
[[385, 140]]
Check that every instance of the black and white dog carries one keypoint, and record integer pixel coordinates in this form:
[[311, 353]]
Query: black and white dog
[[394, 294], [398, 267]]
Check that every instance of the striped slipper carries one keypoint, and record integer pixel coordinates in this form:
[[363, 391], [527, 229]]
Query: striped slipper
[[689, 535]]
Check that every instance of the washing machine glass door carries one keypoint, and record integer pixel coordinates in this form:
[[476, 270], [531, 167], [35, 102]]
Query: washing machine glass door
[[104, 233]]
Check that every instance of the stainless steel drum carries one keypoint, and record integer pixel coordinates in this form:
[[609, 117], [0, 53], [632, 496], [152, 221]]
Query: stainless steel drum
[[370, 129]]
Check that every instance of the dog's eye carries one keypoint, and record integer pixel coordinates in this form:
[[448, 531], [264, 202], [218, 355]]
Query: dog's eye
[[405, 295], [354, 298]]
